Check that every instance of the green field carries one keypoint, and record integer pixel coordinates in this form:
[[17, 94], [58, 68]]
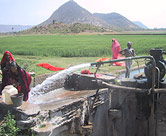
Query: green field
[[63, 50], [77, 45]]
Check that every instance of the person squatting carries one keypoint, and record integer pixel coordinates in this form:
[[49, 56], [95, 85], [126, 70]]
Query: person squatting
[[13, 74]]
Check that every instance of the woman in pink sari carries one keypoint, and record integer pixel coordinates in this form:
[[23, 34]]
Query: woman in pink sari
[[115, 52], [115, 49]]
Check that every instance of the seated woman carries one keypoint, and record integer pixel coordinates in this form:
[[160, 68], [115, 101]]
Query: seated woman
[[21, 79], [5, 68]]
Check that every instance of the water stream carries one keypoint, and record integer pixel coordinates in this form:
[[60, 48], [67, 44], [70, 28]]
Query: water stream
[[50, 81]]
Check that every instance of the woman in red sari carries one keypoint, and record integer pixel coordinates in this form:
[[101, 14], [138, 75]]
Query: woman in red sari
[[7, 59], [21, 79]]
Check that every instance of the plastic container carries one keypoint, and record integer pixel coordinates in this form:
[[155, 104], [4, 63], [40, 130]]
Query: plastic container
[[7, 92], [17, 99]]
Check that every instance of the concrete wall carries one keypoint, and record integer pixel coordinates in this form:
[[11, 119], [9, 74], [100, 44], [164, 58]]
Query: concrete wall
[[161, 115], [123, 114]]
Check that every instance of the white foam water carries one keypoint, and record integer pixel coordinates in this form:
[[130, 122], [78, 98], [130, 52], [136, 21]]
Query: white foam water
[[50, 81], [46, 98]]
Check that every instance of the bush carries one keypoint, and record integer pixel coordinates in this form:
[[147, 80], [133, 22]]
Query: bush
[[9, 127]]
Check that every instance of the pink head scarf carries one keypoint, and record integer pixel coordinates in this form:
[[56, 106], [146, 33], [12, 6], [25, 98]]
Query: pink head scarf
[[3, 58]]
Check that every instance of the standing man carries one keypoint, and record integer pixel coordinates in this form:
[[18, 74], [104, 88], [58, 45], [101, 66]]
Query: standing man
[[128, 52]]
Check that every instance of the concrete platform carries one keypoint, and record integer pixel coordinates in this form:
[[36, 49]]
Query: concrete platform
[[61, 97], [52, 100], [51, 111]]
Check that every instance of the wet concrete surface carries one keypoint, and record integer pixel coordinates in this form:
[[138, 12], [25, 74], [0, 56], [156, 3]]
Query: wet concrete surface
[[59, 98], [52, 100], [29, 108]]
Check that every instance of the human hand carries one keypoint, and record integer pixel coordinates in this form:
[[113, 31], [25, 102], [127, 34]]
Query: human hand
[[120, 52]]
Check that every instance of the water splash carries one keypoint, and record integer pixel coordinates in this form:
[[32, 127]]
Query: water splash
[[51, 81], [46, 98]]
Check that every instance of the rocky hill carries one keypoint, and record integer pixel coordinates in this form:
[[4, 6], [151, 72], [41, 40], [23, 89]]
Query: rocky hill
[[117, 21], [71, 13], [64, 28], [72, 18]]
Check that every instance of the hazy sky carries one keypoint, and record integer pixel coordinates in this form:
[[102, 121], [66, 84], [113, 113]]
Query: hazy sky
[[151, 13]]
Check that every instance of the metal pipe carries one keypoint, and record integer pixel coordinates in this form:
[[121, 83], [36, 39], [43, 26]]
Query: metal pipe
[[124, 88], [132, 58], [157, 98], [152, 91], [128, 58], [158, 80]]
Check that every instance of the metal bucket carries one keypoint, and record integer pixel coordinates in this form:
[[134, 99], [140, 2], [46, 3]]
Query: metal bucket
[[17, 99]]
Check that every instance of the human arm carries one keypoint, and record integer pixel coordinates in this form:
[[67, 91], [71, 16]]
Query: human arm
[[133, 52], [122, 51]]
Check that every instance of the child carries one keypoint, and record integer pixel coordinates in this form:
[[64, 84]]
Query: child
[[128, 52]]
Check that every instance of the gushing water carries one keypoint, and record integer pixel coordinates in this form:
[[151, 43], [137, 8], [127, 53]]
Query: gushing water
[[51, 81]]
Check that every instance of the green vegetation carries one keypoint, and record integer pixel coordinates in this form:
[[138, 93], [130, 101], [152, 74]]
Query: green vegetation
[[63, 50], [77, 45], [29, 63], [9, 127]]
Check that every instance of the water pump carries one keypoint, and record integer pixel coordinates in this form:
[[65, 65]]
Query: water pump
[[157, 53]]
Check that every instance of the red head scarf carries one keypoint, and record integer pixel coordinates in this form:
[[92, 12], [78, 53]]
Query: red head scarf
[[3, 58]]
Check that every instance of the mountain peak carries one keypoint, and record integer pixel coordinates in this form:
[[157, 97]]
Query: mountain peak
[[71, 12], [69, 3], [117, 21]]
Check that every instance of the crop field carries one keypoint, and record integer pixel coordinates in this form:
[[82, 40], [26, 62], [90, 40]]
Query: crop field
[[77, 45], [66, 50]]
